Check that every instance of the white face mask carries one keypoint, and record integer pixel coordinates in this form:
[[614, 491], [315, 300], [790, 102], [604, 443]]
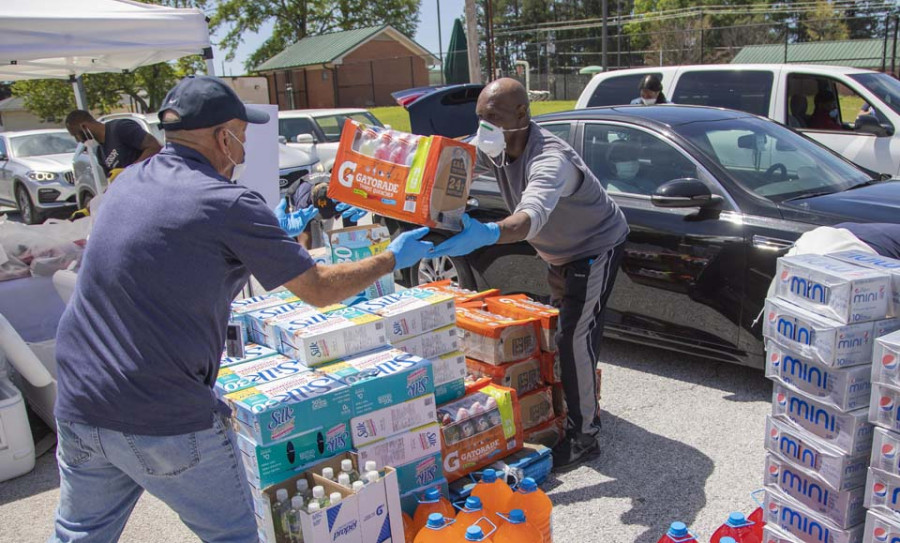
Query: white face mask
[[648, 101], [833, 113], [626, 170], [489, 139], [238, 170]]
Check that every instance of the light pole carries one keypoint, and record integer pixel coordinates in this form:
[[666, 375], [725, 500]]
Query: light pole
[[440, 41]]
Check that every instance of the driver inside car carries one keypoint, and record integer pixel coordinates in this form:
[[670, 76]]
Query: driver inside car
[[625, 172]]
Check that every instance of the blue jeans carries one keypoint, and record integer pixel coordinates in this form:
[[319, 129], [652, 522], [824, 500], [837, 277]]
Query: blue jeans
[[104, 472]]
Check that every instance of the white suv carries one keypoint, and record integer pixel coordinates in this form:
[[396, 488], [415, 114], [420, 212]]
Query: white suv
[[292, 163], [867, 137], [319, 130]]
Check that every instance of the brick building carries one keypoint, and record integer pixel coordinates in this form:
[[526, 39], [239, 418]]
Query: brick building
[[353, 68]]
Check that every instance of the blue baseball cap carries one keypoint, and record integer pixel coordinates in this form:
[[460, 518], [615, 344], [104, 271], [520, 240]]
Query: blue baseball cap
[[202, 101]]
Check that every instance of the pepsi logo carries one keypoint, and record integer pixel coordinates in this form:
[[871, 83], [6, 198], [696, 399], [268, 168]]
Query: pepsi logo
[[880, 533], [879, 490], [888, 451], [772, 316], [773, 508], [774, 434], [781, 399], [785, 275], [886, 403], [776, 359], [890, 362], [773, 471]]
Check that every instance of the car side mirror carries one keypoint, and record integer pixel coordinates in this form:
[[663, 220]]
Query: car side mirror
[[282, 140], [3, 157], [305, 138], [869, 124], [685, 192]]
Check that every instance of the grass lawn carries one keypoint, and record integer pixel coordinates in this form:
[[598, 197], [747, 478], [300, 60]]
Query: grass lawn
[[399, 120]]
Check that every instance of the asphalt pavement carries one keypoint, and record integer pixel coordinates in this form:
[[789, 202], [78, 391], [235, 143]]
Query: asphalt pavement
[[683, 440]]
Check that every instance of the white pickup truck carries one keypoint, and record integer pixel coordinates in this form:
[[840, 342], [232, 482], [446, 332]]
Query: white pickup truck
[[868, 138]]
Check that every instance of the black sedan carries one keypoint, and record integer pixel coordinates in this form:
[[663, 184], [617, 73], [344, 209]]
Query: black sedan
[[718, 195]]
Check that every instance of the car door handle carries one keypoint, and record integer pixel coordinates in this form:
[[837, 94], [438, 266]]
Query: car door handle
[[771, 244]]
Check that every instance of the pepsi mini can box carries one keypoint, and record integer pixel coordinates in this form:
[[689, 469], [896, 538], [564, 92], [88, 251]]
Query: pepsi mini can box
[[844, 508], [876, 262], [412, 312], [271, 464], [797, 520], [850, 432], [252, 351], [383, 378], [883, 493], [886, 451], [881, 529], [293, 405], [392, 420], [884, 410], [771, 534], [886, 359], [256, 372], [832, 288], [844, 389], [824, 340], [323, 337], [804, 450]]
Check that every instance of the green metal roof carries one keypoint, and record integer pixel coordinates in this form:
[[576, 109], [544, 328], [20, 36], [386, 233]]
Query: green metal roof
[[851, 53], [320, 49]]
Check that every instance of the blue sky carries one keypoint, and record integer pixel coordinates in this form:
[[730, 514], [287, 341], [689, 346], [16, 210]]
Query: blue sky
[[426, 36]]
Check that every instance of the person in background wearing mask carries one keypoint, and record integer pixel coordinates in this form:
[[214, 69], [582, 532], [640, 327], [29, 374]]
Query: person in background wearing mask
[[139, 344], [625, 168], [121, 142], [826, 115], [562, 210], [651, 91]]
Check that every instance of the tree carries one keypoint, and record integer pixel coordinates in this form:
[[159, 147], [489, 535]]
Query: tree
[[824, 23], [296, 19]]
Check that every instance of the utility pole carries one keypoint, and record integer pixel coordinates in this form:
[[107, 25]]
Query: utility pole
[[472, 39], [440, 41], [605, 34]]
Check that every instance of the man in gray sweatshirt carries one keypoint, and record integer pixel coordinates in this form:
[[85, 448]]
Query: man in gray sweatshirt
[[558, 206]]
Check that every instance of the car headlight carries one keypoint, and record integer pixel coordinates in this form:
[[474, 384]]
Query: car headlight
[[42, 176], [318, 167]]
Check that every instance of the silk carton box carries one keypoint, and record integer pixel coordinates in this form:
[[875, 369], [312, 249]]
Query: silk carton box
[[252, 351], [274, 411], [392, 420], [255, 372], [241, 308], [449, 377], [412, 312], [262, 322], [402, 449], [382, 378], [323, 337], [431, 344], [358, 243]]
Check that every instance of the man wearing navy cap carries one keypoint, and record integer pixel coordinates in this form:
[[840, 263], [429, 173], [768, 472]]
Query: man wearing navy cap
[[138, 347]]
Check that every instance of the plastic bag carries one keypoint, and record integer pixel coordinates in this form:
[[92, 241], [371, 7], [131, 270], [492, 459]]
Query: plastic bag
[[40, 250]]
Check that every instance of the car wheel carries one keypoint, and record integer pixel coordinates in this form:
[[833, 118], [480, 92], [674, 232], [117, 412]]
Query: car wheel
[[29, 214], [429, 270], [86, 201]]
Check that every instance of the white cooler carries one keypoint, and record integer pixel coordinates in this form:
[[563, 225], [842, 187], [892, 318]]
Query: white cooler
[[16, 442]]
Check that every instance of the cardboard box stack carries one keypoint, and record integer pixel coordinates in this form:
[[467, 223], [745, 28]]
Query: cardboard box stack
[[820, 329]]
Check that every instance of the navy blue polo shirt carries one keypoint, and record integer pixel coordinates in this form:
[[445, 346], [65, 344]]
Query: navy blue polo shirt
[[883, 238], [139, 344]]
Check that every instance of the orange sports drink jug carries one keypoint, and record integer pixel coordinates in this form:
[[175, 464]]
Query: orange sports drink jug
[[537, 506], [517, 530], [431, 502], [494, 493]]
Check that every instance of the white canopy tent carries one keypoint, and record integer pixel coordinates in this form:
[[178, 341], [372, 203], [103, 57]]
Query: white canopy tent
[[42, 39]]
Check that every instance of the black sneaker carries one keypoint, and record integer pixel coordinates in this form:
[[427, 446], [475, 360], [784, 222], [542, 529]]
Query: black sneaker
[[573, 450]]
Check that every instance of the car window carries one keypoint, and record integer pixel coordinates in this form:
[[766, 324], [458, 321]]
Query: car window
[[770, 160], [823, 103], [744, 90], [332, 125], [631, 161], [883, 86], [3, 147], [291, 128], [560, 130], [619, 90], [52, 143]]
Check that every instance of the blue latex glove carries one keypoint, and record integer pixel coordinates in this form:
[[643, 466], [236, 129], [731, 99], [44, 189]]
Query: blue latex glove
[[408, 248], [349, 212], [474, 235], [294, 223]]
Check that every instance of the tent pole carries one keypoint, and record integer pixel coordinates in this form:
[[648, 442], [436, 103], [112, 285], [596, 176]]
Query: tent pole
[[78, 89], [210, 66]]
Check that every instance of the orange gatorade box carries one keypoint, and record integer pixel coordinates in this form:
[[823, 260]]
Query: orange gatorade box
[[417, 179], [537, 408], [479, 429], [496, 339], [523, 376], [551, 373], [462, 295], [520, 306]]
